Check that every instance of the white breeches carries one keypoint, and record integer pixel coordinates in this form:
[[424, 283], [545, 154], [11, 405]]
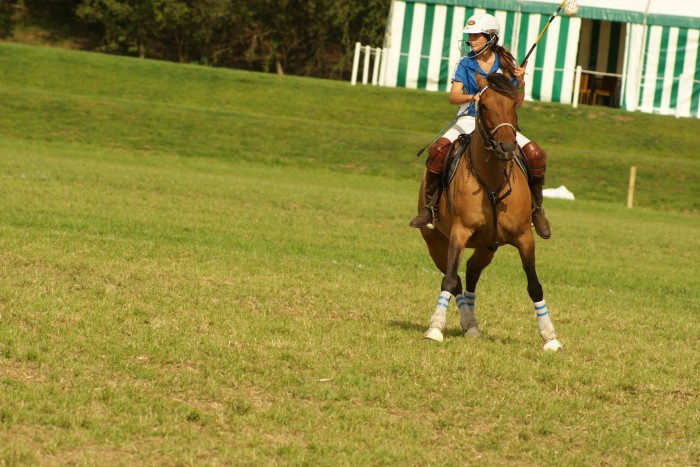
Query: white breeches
[[467, 124]]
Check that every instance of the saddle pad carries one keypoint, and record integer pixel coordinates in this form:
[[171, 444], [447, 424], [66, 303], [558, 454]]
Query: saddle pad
[[453, 158], [456, 154]]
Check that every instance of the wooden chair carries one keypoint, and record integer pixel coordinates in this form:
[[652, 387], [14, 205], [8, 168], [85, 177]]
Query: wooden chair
[[607, 89], [584, 90]]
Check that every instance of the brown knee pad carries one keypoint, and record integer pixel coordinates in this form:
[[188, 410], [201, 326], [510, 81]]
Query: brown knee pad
[[536, 159], [436, 155]]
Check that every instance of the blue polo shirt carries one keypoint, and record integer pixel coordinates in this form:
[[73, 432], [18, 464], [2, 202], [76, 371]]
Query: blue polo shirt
[[464, 73]]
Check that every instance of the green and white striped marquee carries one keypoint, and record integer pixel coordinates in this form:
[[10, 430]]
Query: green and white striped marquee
[[652, 45]]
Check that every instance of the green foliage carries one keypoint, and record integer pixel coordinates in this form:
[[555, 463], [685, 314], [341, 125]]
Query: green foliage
[[5, 21], [129, 25], [311, 38], [192, 275]]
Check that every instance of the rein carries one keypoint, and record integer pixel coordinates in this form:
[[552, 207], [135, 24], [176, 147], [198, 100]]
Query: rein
[[487, 138]]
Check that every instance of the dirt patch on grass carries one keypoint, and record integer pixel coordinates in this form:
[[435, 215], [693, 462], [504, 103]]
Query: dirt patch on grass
[[21, 371]]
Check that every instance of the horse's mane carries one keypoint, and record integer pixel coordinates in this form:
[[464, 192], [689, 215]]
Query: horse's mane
[[502, 85]]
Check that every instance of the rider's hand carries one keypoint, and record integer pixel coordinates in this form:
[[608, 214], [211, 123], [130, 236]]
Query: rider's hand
[[520, 73]]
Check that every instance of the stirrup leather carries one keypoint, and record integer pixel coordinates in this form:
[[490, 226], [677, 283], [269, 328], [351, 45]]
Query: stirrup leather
[[433, 214]]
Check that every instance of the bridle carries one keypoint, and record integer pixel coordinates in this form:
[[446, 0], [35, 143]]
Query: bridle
[[485, 134], [487, 138]]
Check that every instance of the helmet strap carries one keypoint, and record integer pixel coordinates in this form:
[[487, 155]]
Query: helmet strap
[[488, 45]]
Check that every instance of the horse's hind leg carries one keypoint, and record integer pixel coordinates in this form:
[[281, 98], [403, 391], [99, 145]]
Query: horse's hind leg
[[481, 258], [526, 248], [478, 261]]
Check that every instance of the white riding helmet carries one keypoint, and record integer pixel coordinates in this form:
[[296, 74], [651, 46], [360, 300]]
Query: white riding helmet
[[482, 23]]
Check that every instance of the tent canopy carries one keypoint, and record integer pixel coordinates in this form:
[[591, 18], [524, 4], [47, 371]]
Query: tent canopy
[[677, 13], [651, 47]]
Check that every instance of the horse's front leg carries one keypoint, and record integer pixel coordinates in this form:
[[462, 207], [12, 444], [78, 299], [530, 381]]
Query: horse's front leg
[[526, 248], [451, 283]]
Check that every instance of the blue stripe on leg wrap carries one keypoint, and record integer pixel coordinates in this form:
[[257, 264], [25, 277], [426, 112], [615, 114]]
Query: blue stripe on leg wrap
[[465, 300], [443, 300], [539, 315]]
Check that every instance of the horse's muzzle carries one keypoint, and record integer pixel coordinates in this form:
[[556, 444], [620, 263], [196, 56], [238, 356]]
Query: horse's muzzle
[[506, 151]]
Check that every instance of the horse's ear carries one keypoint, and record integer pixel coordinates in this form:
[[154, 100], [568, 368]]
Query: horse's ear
[[480, 80]]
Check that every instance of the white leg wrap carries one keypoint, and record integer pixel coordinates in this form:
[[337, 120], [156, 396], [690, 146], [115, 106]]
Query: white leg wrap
[[439, 317], [543, 321], [466, 303]]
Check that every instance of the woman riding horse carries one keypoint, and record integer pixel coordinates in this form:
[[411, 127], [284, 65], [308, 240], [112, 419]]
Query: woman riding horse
[[487, 204], [486, 57]]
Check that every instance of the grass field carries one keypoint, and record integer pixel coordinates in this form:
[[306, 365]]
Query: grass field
[[206, 266]]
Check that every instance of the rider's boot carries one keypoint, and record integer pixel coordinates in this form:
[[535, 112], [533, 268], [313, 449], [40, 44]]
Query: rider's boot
[[427, 217], [538, 219], [537, 162]]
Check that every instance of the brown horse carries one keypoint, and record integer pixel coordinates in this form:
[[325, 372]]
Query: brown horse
[[487, 204]]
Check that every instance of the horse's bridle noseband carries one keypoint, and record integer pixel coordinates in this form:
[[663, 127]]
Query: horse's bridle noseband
[[485, 134]]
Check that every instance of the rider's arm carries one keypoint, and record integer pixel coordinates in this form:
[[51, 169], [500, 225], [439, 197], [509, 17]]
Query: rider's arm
[[457, 97], [520, 82]]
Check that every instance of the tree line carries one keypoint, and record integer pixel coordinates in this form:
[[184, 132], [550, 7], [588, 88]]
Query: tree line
[[300, 37]]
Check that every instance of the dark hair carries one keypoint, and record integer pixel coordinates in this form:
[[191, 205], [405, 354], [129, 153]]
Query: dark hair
[[506, 58]]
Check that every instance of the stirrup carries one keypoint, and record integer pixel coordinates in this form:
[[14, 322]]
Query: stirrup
[[433, 213], [423, 218]]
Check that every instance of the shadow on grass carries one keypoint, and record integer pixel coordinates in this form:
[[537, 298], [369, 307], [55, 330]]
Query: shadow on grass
[[421, 328], [455, 332]]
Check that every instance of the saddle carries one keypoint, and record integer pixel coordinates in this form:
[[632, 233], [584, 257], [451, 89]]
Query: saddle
[[457, 150]]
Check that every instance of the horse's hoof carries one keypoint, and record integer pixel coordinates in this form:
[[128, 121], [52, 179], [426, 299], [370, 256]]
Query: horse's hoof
[[472, 332], [553, 346], [433, 334]]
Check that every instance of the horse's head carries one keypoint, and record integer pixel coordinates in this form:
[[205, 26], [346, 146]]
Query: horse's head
[[496, 117]]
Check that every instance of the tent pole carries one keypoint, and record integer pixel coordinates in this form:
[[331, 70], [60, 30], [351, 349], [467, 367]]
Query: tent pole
[[641, 54]]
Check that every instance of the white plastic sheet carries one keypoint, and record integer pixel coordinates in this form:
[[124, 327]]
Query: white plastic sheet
[[560, 192]]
